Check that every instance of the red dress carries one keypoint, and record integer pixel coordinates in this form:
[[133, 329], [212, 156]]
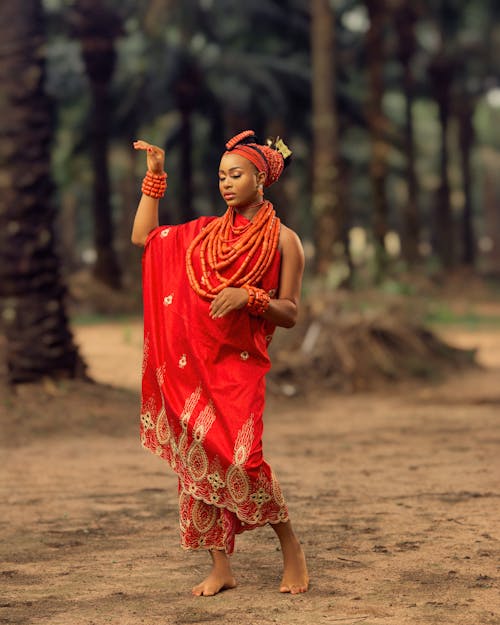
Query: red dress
[[203, 394]]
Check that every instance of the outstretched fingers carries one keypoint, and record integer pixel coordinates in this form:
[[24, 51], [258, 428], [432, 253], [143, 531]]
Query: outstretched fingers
[[141, 145], [155, 155]]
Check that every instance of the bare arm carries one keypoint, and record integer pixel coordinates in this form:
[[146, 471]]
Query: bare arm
[[282, 311], [146, 217]]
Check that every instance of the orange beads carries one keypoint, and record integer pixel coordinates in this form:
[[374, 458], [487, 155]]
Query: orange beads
[[154, 185], [258, 300], [221, 244]]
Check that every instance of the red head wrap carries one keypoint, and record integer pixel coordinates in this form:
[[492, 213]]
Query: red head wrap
[[264, 157]]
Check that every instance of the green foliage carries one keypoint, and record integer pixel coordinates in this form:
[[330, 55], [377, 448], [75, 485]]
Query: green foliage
[[440, 313], [227, 65]]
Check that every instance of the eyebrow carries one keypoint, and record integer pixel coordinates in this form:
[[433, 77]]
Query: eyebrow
[[221, 171]]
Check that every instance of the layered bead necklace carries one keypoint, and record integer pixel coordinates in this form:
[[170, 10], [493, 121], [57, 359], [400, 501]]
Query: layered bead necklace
[[222, 243]]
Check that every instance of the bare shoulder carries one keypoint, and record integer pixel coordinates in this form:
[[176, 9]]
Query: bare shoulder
[[290, 242], [292, 253]]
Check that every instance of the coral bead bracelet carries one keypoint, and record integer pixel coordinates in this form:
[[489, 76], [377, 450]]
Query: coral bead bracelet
[[154, 185]]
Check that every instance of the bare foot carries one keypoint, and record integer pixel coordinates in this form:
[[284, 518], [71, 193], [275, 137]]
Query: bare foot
[[220, 577], [295, 576]]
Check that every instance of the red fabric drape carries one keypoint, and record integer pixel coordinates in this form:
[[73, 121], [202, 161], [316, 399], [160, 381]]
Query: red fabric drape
[[203, 394]]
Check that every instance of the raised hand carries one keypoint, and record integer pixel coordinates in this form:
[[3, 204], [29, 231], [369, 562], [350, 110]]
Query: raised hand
[[155, 155]]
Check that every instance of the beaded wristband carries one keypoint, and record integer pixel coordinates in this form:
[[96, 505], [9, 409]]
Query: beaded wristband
[[258, 300], [154, 185]]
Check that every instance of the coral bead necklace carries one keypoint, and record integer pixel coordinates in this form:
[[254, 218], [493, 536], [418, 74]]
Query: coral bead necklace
[[221, 244]]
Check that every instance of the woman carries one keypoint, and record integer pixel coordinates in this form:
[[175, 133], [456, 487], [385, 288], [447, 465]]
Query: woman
[[214, 291]]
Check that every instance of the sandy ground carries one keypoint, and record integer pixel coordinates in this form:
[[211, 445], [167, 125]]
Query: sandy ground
[[395, 495]]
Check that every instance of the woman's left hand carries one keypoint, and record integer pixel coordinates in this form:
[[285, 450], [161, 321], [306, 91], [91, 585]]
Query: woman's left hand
[[227, 300]]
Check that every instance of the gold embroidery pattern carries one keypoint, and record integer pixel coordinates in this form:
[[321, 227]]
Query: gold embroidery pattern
[[187, 412], [277, 492], [197, 462], [237, 479], [147, 415], [145, 356], [160, 374], [204, 422], [216, 481], [247, 498], [197, 459], [243, 444], [189, 406], [163, 427], [260, 497], [204, 516], [238, 483], [147, 421], [205, 525], [184, 518]]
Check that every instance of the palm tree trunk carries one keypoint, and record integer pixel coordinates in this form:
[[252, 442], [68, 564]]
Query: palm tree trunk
[[329, 218], [406, 17], [441, 74], [466, 133], [187, 90], [186, 189], [377, 125], [490, 199], [32, 306], [97, 28]]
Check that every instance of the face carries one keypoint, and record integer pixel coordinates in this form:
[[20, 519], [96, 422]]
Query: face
[[239, 181]]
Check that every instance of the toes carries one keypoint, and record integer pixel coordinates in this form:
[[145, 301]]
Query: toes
[[201, 591], [292, 589]]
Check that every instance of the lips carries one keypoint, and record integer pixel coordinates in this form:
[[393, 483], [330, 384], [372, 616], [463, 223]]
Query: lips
[[229, 196]]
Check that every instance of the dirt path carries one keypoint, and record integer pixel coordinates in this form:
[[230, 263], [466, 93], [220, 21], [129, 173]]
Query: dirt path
[[396, 498]]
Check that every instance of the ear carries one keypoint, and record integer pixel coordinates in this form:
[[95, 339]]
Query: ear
[[261, 177]]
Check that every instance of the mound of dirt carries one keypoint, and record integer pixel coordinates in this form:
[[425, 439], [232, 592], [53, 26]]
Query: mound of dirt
[[346, 351]]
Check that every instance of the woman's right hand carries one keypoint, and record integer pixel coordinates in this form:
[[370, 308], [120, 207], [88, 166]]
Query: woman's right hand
[[155, 156]]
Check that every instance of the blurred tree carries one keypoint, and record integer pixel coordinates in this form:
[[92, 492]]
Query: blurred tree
[[97, 26], [191, 74], [377, 124], [475, 37], [39, 341], [465, 113], [327, 207], [405, 18], [442, 71], [215, 72], [457, 73]]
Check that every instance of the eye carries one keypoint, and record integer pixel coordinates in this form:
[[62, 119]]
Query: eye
[[236, 176]]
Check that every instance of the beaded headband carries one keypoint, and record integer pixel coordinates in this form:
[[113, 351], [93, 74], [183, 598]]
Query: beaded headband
[[271, 158]]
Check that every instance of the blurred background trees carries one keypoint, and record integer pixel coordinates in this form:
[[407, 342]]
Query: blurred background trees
[[387, 104], [392, 109], [32, 303]]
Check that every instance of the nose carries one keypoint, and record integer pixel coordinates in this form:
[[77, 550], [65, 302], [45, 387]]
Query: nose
[[226, 183]]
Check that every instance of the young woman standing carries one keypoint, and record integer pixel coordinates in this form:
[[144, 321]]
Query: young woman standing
[[214, 290]]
